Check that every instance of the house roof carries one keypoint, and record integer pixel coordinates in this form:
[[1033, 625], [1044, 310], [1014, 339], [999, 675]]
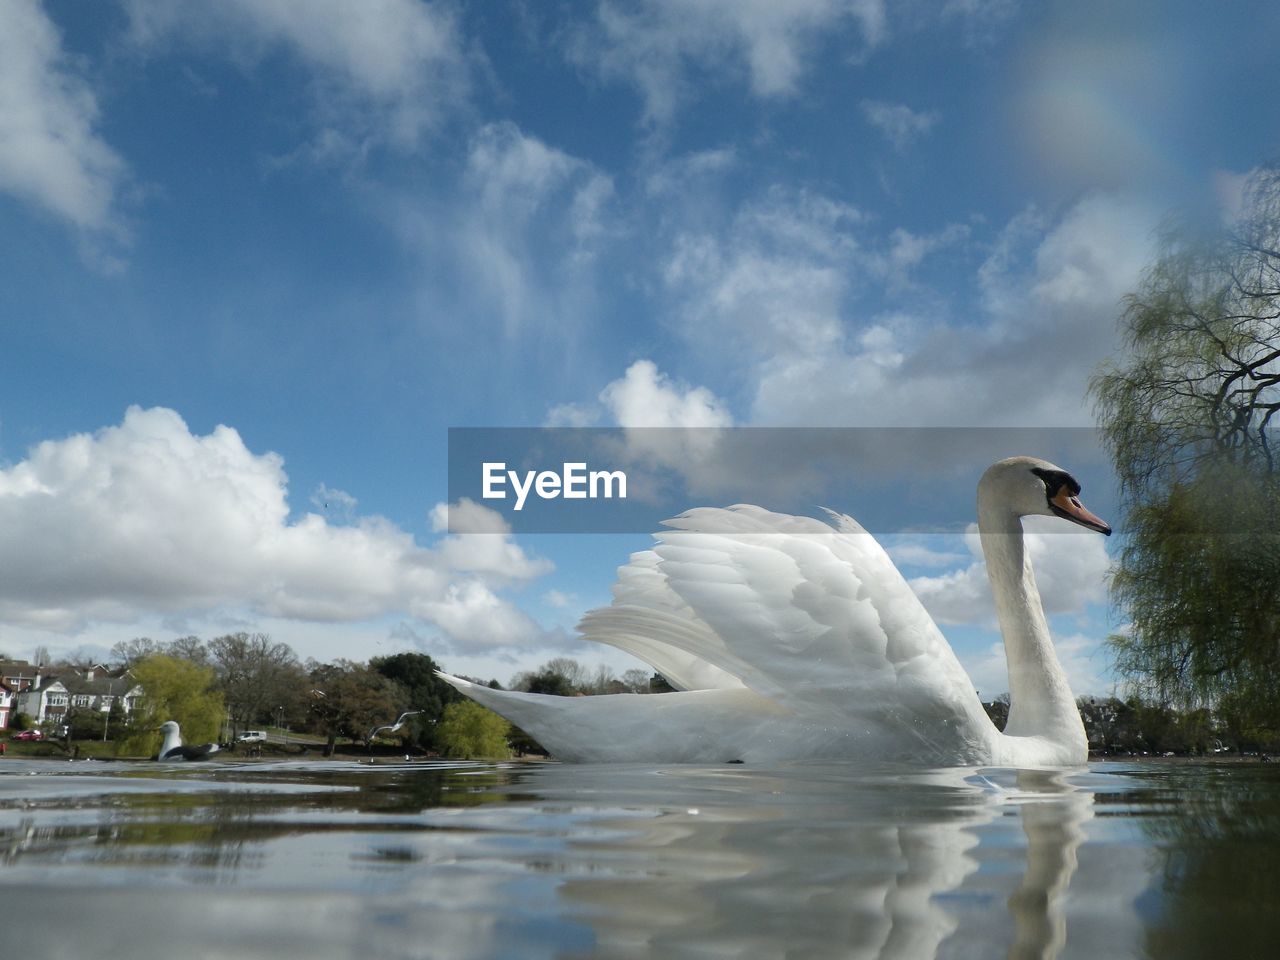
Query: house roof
[[99, 686], [15, 668]]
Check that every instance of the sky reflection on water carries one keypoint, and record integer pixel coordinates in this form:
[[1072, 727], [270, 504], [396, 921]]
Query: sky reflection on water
[[810, 860]]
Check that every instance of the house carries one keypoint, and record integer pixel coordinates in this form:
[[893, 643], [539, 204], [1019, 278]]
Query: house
[[16, 677], [46, 702], [49, 698], [96, 688], [7, 698]]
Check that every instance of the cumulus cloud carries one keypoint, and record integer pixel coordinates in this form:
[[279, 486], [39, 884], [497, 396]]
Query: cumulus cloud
[[1080, 656], [51, 153], [667, 426], [383, 69], [1070, 570], [147, 518], [334, 503], [917, 551], [646, 397], [655, 44], [900, 125]]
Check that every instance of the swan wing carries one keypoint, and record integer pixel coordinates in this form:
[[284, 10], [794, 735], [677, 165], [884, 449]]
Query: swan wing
[[649, 620], [815, 618]]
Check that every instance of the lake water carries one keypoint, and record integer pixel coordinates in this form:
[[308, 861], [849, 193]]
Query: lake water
[[331, 859]]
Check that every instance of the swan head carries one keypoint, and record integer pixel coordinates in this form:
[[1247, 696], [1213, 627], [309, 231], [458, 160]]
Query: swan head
[[1029, 486]]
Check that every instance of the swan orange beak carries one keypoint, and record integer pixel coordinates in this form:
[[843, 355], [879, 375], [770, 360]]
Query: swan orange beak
[[1070, 508]]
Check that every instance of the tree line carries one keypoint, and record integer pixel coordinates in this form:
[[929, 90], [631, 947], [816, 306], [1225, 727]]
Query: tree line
[[1133, 726], [218, 688]]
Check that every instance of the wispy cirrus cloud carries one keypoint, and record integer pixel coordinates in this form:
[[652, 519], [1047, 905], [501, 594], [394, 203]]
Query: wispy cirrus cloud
[[515, 243], [900, 125], [52, 153], [383, 71], [656, 45]]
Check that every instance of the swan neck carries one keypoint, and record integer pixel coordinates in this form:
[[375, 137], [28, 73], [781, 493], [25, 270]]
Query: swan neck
[[1040, 699]]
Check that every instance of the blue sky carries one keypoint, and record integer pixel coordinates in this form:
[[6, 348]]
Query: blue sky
[[260, 256]]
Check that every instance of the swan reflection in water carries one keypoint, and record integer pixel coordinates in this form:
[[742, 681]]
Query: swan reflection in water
[[877, 872], [812, 860], [318, 860]]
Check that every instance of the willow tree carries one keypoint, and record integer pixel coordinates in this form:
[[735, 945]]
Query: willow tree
[[172, 689], [469, 731], [1189, 417]]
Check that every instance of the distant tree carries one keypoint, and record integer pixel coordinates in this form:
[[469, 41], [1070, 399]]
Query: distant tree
[[550, 683], [636, 680], [349, 699], [256, 676], [128, 652], [192, 649], [416, 675], [1188, 416], [176, 690], [577, 675], [469, 731], [86, 723]]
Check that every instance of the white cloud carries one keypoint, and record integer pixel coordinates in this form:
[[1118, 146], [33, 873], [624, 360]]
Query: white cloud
[[645, 397], [1229, 190], [519, 236], [901, 125], [677, 175], [1082, 658], [530, 199], [50, 151], [334, 503], [653, 44], [773, 284], [388, 69], [918, 551], [573, 415], [559, 599], [146, 518], [1070, 570], [1049, 319]]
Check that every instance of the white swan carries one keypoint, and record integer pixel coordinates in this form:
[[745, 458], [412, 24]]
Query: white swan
[[792, 639], [174, 749]]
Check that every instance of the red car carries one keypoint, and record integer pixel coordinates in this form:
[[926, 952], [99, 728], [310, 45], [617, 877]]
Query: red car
[[29, 735]]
